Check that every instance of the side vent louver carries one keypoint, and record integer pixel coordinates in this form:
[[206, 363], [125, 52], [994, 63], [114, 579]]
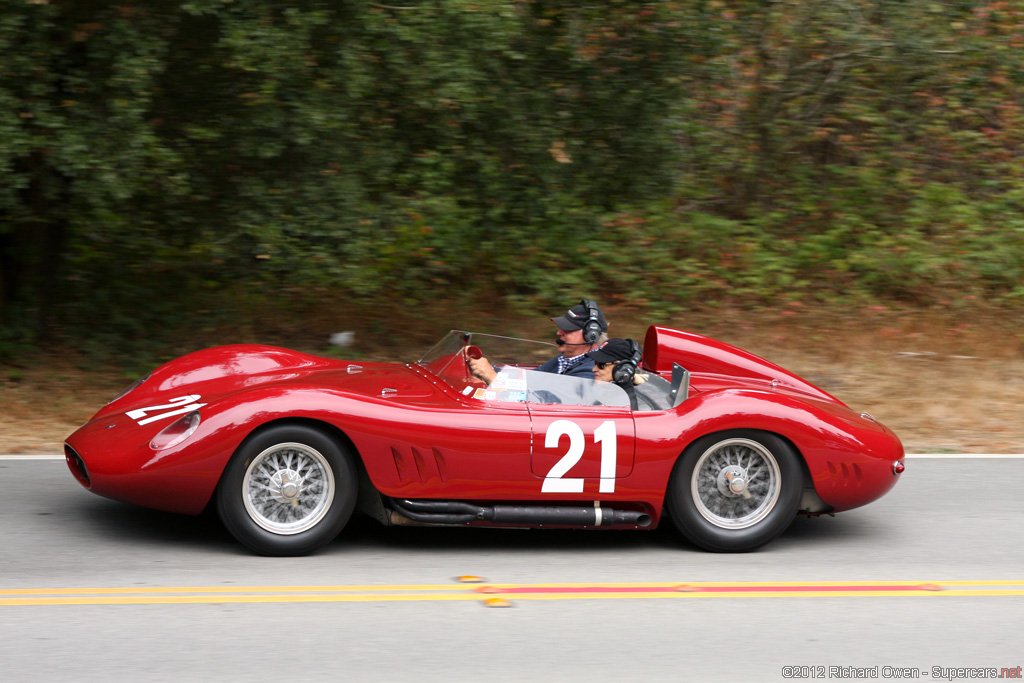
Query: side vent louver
[[442, 466], [419, 467]]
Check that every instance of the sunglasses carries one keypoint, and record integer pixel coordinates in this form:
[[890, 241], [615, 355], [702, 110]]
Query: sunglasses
[[602, 366]]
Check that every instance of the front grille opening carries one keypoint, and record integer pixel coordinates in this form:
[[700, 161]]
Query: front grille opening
[[76, 465]]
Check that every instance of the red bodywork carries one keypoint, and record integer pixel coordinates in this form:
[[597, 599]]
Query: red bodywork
[[419, 437]]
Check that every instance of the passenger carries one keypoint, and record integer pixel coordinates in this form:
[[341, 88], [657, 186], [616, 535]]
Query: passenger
[[617, 362], [583, 328]]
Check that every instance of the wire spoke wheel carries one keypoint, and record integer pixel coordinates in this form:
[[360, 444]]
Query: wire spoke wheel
[[735, 483], [288, 488], [736, 490]]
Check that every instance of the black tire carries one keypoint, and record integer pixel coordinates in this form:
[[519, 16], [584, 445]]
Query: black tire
[[287, 490], [706, 508]]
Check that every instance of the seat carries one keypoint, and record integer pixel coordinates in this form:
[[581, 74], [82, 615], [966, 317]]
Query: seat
[[654, 394]]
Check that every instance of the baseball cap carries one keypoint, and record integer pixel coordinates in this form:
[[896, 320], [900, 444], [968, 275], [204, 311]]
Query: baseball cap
[[576, 318], [614, 350]]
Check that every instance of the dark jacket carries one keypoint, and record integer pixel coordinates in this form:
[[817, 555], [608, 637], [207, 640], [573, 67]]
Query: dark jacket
[[585, 368]]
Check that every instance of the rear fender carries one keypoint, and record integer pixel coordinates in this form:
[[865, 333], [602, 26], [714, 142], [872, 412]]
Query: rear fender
[[848, 457]]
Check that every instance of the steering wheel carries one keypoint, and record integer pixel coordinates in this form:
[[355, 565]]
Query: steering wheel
[[473, 352]]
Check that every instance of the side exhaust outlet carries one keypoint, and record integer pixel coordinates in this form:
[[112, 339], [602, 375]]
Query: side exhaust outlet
[[456, 512]]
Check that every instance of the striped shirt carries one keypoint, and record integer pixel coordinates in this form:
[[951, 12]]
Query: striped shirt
[[565, 363]]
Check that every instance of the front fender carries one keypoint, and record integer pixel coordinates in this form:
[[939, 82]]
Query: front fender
[[122, 465]]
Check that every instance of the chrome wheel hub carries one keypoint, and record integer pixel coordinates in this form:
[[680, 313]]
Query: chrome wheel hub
[[288, 485], [736, 483], [288, 488], [732, 481]]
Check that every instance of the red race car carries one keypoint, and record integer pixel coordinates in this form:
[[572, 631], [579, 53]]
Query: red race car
[[288, 445]]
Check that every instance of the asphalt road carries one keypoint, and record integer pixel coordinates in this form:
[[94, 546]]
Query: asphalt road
[[930, 576]]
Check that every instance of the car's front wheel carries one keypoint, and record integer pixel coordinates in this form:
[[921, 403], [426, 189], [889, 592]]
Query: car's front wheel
[[287, 490], [735, 491]]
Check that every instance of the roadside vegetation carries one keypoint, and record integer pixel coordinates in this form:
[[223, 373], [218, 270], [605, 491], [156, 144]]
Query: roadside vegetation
[[178, 172]]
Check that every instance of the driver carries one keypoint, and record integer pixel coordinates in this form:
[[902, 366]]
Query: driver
[[582, 329]]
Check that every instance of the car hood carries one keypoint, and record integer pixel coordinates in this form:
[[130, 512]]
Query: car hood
[[213, 373]]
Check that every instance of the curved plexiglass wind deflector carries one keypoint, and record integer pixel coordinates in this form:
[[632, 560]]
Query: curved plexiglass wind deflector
[[516, 382], [496, 348]]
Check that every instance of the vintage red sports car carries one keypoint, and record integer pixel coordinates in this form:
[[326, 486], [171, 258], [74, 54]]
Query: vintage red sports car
[[288, 445]]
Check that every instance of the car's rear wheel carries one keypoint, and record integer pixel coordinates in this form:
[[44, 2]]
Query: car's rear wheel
[[287, 490], [735, 491]]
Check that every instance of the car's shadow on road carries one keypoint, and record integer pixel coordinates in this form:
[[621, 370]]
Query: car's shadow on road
[[825, 531], [366, 533], [123, 523], [130, 524]]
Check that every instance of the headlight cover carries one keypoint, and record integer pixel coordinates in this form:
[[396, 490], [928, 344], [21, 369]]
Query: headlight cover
[[176, 432]]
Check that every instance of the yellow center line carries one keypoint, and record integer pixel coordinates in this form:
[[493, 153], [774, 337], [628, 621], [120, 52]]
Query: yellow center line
[[165, 595], [355, 588], [224, 589]]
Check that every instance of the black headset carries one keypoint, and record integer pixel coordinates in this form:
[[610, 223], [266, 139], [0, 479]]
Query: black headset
[[592, 328], [624, 370]]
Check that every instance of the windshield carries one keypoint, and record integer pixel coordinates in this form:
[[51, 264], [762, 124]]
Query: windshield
[[497, 348], [517, 381]]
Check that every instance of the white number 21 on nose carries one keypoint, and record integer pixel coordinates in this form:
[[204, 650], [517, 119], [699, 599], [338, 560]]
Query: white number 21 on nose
[[176, 406], [556, 481]]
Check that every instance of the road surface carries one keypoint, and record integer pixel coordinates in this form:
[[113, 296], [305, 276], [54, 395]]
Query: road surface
[[927, 581]]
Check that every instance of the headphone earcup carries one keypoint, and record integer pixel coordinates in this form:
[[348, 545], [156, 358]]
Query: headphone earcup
[[624, 372], [592, 329]]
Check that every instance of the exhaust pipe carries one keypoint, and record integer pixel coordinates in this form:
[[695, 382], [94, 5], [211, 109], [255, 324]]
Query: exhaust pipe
[[456, 512], [566, 515]]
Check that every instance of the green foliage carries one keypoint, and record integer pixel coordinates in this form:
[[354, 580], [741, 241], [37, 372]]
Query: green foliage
[[184, 164]]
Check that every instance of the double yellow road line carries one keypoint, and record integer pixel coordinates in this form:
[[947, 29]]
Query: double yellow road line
[[496, 594]]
